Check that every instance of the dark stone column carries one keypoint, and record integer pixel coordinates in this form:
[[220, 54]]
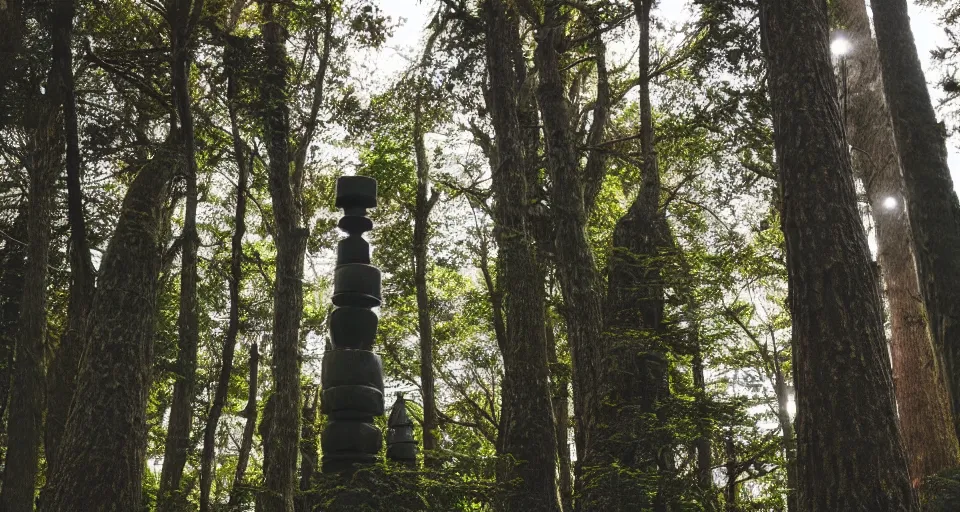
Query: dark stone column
[[352, 375]]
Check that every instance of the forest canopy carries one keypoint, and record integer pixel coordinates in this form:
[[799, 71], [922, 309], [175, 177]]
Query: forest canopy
[[479, 255]]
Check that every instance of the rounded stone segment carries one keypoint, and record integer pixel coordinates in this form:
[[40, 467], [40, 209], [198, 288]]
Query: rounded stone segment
[[353, 249], [351, 368], [353, 328], [357, 285], [355, 224], [351, 436], [403, 451], [356, 192], [400, 435], [357, 401]]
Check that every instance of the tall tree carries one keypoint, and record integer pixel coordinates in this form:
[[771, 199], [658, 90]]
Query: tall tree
[[703, 443], [922, 398], [183, 16], [103, 449], [309, 448], [27, 389], [239, 490], [560, 379], [423, 205], [635, 364], [231, 63], [527, 436], [64, 366], [931, 200], [571, 194], [281, 443], [846, 416], [13, 260]]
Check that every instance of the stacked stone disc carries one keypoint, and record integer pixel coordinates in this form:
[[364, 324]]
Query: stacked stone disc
[[352, 375], [401, 445]]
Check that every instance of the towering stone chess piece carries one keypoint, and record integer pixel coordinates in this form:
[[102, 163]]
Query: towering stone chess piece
[[401, 445], [352, 375]]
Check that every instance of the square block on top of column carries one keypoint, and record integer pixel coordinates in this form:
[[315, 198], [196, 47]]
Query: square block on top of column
[[356, 192]]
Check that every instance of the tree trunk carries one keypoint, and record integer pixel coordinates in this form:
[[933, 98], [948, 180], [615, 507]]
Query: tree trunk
[[731, 490], [527, 433], [309, 446], [560, 378], [580, 282], [703, 444], [421, 219], [64, 367], [931, 201], [281, 443], [103, 449], [847, 429], [240, 490], [27, 388], [635, 367], [207, 458], [788, 433], [922, 399], [177, 444], [14, 262]]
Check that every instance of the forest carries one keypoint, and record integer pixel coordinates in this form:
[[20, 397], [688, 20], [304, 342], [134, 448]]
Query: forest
[[479, 255]]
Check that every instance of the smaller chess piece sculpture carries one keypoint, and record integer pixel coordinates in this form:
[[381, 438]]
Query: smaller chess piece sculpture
[[401, 445]]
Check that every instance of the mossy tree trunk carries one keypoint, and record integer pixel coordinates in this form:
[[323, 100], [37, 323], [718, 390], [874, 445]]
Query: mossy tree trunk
[[103, 450], [527, 433], [922, 398], [932, 206], [281, 445], [847, 430], [184, 16]]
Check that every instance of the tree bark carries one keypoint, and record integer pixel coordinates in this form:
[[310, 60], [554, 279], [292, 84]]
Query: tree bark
[[527, 433], [281, 443], [847, 429], [788, 433], [421, 234], [12, 26], [932, 206], [207, 458], [184, 16], [103, 449], [27, 390], [309, 449], [240, 490], [731, 489], [922, 399], [577, 272], [14, 262], [635, 366], [560, 378], [703, 444], [64, 367]]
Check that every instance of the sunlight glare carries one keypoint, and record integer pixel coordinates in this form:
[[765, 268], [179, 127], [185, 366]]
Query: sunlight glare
[[840, 46], [890, 203]]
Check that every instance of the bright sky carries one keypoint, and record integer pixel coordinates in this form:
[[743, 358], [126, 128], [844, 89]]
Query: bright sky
[[414, 14]]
